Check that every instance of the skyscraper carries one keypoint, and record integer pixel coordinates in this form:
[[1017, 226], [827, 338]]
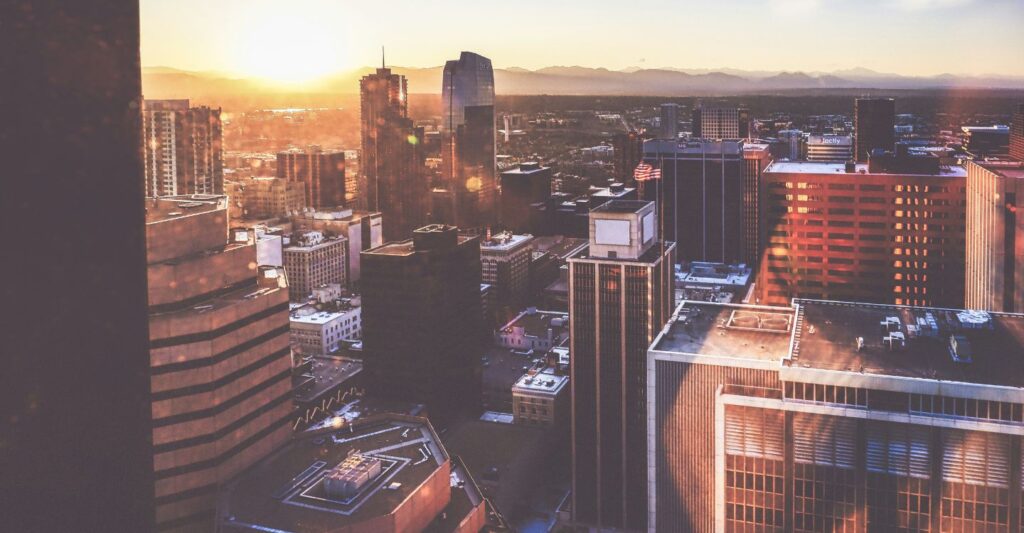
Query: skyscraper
[[422, 324], [220, 356], [522, 187], [873, 122], [183, 148], [322, 171], [701, 197], [1017, 134], [467, 146], [620, 295], [394, 181], [74, 391], [669, 121], [995, 236], [720, 122], [629, 151]]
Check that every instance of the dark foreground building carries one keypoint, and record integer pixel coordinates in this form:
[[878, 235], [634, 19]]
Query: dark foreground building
[[620, 293], [76, 452], [422, 325], [873, 122], [835, 416]]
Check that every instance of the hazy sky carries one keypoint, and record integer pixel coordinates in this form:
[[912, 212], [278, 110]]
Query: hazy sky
[[301, 39]]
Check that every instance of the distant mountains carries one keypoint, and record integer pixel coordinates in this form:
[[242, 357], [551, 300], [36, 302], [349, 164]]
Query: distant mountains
[[164, 82]]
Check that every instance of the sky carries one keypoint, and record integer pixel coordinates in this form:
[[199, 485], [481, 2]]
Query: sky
[[299, 40]]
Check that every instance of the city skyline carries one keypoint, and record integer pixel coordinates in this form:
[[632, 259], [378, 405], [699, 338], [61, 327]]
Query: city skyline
[[325, 38]]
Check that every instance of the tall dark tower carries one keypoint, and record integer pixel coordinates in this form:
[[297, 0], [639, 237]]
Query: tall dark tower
[[1017, 134], [873, 122], [75, 437], [394, 181], [468, 143], [422, 326], [620, 295]]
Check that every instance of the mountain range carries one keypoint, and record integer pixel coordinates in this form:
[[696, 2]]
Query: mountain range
[[165, 82]]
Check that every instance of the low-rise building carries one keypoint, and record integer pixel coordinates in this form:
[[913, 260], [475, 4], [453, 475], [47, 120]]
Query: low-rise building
[[363, 229], [266, 197], [401, 478], [505, 264], [541, 399], [321, 327], [534, 330]]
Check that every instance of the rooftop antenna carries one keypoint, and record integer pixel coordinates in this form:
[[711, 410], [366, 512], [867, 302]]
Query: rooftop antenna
[[382, 63]]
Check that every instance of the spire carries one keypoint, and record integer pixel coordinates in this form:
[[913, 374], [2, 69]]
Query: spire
[[382, 63]]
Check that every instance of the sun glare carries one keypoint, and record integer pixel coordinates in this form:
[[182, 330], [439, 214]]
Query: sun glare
[[292, 49]]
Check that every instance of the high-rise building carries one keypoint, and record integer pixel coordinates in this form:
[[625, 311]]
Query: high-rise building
[[362, 229], [505, 265], [314, 259], [521, 187], [468, 165], [849, 232], [76, 452], [620, 294], [835, 416], [669, 121], [700, 197], [184, 151], [1017, 134], [986, 141], [756, 158], [629, 151], [263, 197], [392, 161], [829, 148], [323, 172], [422, 327], [720, 122], [219, 349], [873, 123], [995, 236]]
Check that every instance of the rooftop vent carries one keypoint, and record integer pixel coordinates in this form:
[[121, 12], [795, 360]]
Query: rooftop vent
[[960, 349], [349, 477]]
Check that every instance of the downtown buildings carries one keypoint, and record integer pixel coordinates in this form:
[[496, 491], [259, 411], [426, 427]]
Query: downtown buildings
[[422, 325], [1017, 134], [889, 232], [183, 146], [835, 416], [620, 295], [873, 123], [469, 198], [322, 172], [394, 181], [995, 236], [219, 352], [314, 259], [521, 188], [719, 122]]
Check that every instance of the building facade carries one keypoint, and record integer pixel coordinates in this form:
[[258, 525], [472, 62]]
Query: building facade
[[319, 328], [364, 230], [829, 148], [183, 146], [392, 159], [995, 236], [541, 399], [628, 152], [811, 418], [844, 232], [313, 259], [1017, 134], [669, 121], [505, 265], [700, 193], [219, 354], [322, 172], [718, 122], [422, 327], [873, 123], [270, 197], [521, 187], [620, 293]]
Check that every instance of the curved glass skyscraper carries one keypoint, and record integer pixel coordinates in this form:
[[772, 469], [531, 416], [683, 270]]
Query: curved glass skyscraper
[[468, 198]]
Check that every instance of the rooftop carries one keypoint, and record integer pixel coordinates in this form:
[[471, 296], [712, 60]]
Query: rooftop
[[504, 242], [1006, 169], [326, 374], [718, 274], [536, 323], [545, 382], [818, 167], [728, 330], [558, 245], [286, 490], [319, 314], [829, 333], [621, 206], [164, 208]]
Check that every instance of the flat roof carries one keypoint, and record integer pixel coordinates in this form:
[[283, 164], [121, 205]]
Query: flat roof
[[164, 208], [546, 382], [822, 167], [728, 330], [401, 248], [326, 374], [621, 206], [318, 317], [1007, 169], [536, 323], [559, 245], [285, 490], [504, 241], [997, 346]]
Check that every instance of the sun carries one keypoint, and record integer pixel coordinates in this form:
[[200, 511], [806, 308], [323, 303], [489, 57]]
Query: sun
[[292, 48]]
